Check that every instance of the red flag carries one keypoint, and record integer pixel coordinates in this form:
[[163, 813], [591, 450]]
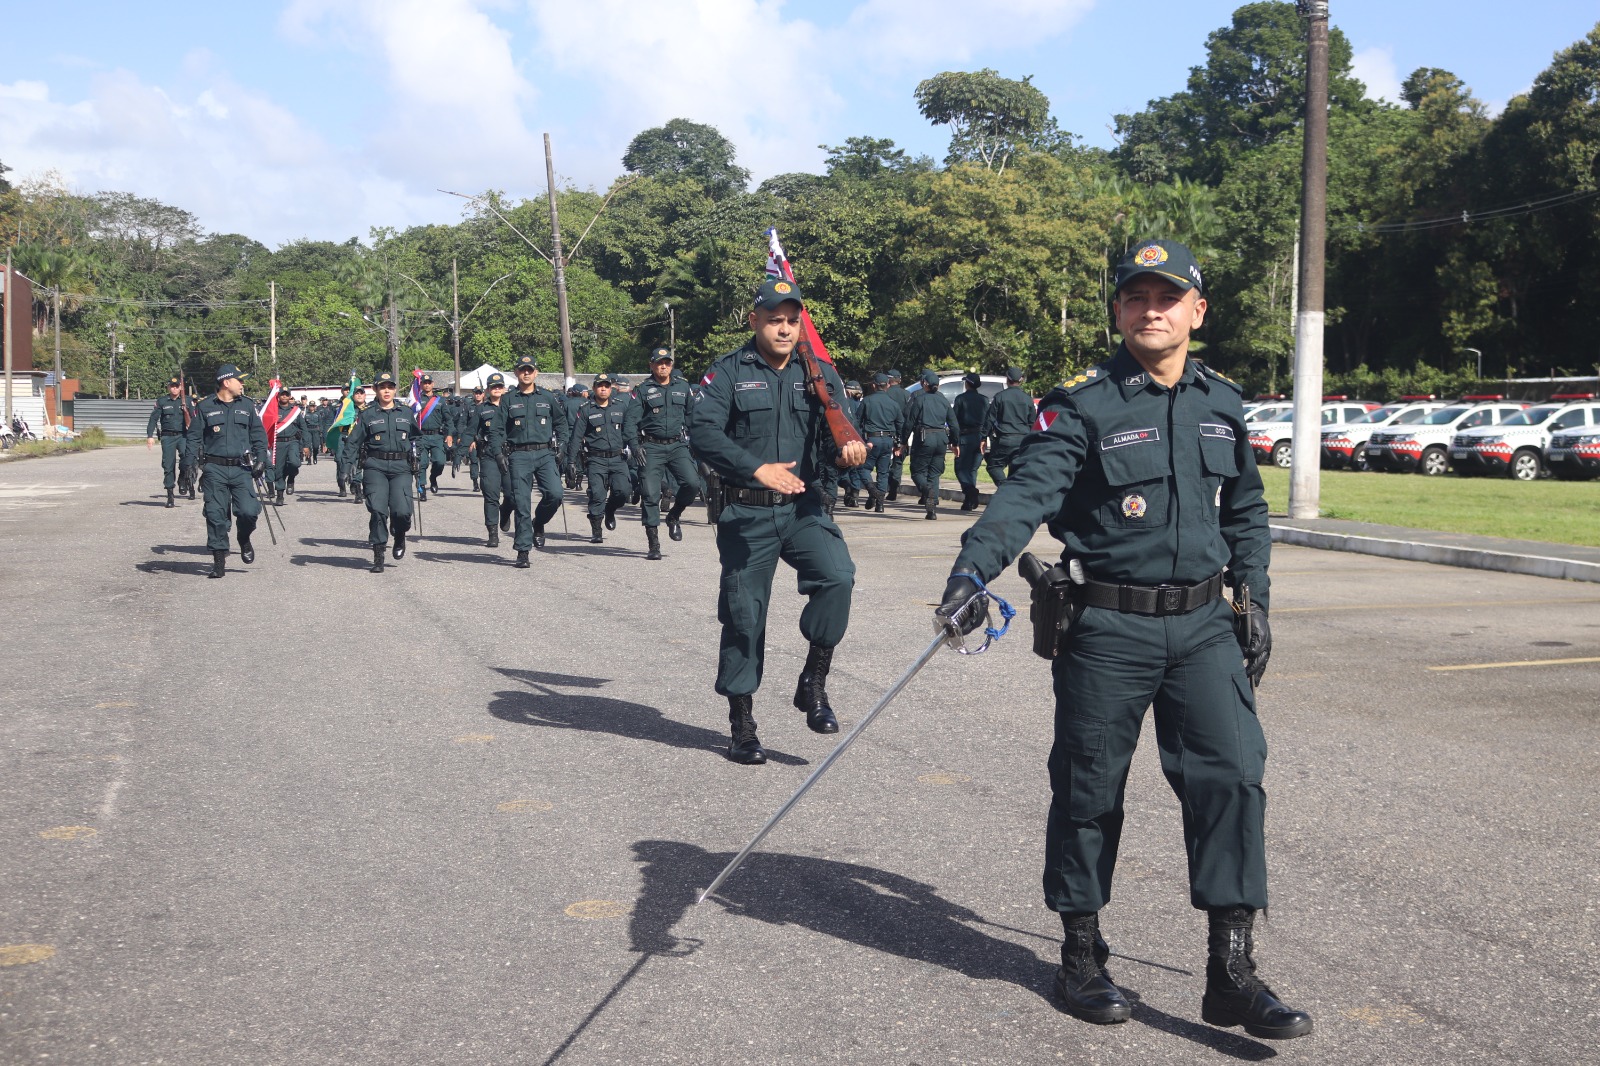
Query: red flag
[[778, 267], [269, 419]]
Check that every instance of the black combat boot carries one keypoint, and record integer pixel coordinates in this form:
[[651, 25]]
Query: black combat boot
[[279, 498], [969, 497], [377, 559], [170, 503], [595, 536], [811, 693], [850, 498], [399, 534], [1082, 984], [433, 482], [494, 537], [829, 502], [674, 521], [522, 561], [219, 564], [652, 536], [291, 486], [506, 511], [611, 515], [894, 491], [745, 747], [188, 485], [356, 490], [1234, 994], [538, 536], [342, 491], [247, 553], [930, 508], [474, 484]]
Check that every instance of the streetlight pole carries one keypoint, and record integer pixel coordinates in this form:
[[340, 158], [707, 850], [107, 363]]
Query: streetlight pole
[[561, 267], [672, 329], [1479, 354], [455, 324], [1305, 470]]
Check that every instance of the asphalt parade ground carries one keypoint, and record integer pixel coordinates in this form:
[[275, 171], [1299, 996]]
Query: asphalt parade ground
[[460, 813]]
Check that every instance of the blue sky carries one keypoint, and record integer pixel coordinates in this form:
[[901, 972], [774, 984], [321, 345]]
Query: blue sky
[[322, 118]]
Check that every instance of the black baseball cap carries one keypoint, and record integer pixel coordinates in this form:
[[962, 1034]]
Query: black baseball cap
[[775, 291], [526, 361], [228, 370], [660, 355], [384, 378], [1166, 259]]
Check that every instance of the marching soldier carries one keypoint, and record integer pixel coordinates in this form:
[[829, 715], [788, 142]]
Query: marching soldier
[[226, 434], [576, 395], [466, 434], [291, 441], [533, 422], [898, 463], [1010, 418], [970, 409], [170, 419], [383, 438], [757, 425], [663, 410], [882, 417], [1145, 473], [489, 442], [931, 422], [602, 430], [435, 429]]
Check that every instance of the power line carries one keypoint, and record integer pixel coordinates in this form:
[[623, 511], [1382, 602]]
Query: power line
[[1467, 217]]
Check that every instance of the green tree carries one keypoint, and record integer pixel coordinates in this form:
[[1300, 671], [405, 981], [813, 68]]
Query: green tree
[[687, 149], [990, 117]]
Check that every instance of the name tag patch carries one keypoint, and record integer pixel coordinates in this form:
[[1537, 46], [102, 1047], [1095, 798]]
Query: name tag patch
[[1213, 429], [1130, 436], [742, 385]]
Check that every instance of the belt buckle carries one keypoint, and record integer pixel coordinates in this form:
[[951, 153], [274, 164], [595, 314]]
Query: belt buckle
[[1169, 599]]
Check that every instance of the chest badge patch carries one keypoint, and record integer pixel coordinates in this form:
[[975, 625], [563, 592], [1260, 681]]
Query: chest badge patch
[[1134, 506]]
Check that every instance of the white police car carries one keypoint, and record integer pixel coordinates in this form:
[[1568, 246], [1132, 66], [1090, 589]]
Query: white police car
[[1425, 446], [1344, 444], [1270, 438], [1516, 447]]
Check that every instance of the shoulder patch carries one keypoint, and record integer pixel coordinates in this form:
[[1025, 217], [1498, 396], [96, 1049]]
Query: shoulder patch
[[1219, 376], [1072, 384]]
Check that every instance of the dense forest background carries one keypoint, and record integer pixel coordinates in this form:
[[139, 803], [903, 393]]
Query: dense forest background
[[1455, 239]]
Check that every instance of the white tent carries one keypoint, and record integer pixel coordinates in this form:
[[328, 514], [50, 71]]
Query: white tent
[[479, 378]]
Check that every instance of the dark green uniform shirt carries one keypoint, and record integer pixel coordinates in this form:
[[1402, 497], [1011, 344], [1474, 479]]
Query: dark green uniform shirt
[[383, 431], [167, 416], [928, 412], [663, 409], [489, 428], [604, 431], [438, 421], [537, 417], [297, 434], [1145, 485], [749, 415], [221, 430], [882, 415], [970, 408], [1011, 413]]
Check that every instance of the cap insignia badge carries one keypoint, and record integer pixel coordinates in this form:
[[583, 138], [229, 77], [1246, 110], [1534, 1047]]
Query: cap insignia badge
[[1151, 255]]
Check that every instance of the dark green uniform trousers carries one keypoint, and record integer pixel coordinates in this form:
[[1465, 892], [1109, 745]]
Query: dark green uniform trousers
[[430, 453], [527, 467], [967, 461], [345, 463], [607, 471], [387, 487], [666, 458], [492, 485], [1212, 752], [1001, 451], [880, 462], [230, 493], [286, 466], [927, 461], [750, 541], [175, 458]]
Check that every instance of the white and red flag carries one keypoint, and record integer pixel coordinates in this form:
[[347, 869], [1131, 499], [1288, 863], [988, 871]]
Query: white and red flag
[[778, 267], [269, 419]]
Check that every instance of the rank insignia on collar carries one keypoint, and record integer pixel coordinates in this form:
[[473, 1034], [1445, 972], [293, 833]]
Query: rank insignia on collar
[[1092, 372], [1133, 506], [1135, 379]]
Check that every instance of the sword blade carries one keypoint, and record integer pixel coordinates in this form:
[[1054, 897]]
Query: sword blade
[[833, 756]]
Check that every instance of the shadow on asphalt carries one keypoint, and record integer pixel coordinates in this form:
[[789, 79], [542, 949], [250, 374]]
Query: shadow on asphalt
[[180, 549], [486, 556], [160, 501], [346, 562], [158, 566], [873, 908], [543, 706], [323, 542]]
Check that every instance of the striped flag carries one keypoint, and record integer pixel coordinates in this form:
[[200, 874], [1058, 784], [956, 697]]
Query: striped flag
[[422, 405], [347, 414], [269, 419], [778, 267]]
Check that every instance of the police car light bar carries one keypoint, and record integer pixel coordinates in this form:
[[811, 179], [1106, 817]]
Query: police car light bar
[[1486, 396], [1273, 396], [1429, 396], [1330, 399], [1573, 396]]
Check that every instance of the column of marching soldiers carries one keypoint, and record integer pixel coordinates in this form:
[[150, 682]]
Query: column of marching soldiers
[[628, 447]]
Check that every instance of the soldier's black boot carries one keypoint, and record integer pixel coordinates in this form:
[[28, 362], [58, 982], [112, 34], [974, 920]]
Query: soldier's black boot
[[494, 537], [506, 511], [745, 746], [595, 536], [356, 490], [828, 504], [170, 503], [875, 501], [1234, 994], [398, 532], [219, 564], [279, 498], [291, 486], [247, 553], [652, 536], [522, 561], [611, 514], [1082, 984], [538, 535], [342, 491], [894, 491], [930, 507], [377, 559], [811, 692], [850, 498], [674, 521]]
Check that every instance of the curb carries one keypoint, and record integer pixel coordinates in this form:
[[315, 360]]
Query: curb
[[1442, 554]]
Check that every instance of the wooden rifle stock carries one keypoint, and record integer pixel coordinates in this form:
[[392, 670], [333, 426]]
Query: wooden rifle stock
[[838, 424]]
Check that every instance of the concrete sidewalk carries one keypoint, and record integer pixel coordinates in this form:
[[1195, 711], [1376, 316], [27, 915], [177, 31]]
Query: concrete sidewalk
[[1533, 557]]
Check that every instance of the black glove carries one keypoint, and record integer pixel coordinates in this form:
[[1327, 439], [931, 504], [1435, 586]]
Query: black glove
[[958, 592], [1255, 640], [416, 463], [503, 461], [257, 467]]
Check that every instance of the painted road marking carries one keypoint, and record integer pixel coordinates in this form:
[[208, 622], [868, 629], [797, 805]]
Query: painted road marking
[[520, 806], [942, 778], [591, 909], [1524, 662], [22, 954], [69, 832], [474, 738]]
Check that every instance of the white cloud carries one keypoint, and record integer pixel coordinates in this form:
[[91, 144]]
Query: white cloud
[[922, 32], [1376, 70]]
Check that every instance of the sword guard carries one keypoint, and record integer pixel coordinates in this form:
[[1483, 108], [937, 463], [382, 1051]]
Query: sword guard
[[980, 603]]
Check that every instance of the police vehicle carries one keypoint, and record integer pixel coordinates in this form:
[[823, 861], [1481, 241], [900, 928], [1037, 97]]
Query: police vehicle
[[1270, 438], [952, 385], [1344, 444], [1425, 446], [1574, 453], [1516, 447]]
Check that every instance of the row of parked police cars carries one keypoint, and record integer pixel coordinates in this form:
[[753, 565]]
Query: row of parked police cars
[[1484, 434]]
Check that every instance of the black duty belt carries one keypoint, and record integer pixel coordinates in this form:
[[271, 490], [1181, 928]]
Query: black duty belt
[[757, 497], [227, 460], [172, 433], [388, 455], [661, 440], [593, 454], [546, 446], [1155, 600]]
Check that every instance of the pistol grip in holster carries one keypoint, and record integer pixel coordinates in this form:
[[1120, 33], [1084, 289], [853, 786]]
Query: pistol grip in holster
[[1052, 608]]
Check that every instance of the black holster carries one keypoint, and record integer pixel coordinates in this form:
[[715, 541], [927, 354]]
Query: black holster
[[713, 494], [1053, 607]]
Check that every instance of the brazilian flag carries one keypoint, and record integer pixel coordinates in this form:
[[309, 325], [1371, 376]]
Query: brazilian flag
[[347, 414]]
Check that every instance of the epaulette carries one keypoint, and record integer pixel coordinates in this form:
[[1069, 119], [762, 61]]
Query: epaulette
[[1220, 376], [1073, 384]]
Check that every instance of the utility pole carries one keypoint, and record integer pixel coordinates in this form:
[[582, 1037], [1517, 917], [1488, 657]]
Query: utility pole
[[1305, 472], [455, 323], [59, 381], [560, 265], [672, 329], [5, 310], [393, 332], [272, 336], [111, 365]]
